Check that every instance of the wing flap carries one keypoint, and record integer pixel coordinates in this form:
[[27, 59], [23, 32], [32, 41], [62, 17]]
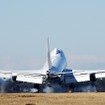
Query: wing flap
[[100, 75], [82, 78], [30, 79], [85, 76]]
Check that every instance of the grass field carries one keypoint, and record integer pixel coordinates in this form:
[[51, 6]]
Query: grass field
[[52, 99]]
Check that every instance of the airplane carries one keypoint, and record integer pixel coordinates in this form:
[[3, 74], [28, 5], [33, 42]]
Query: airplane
[[53, 77]]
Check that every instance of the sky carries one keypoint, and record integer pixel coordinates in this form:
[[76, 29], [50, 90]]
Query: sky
[[75, 26]]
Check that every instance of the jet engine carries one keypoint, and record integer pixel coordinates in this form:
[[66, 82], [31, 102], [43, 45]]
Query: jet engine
[[93, 77]]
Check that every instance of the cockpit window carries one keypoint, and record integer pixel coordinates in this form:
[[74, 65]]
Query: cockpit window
[[58, 51]]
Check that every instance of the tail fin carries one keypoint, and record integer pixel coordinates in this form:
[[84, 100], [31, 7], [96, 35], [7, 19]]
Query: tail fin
[[47, 65], [48, 56]]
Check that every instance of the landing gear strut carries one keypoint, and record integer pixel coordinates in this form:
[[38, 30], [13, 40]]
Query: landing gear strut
[[71, 87], [36, 86]]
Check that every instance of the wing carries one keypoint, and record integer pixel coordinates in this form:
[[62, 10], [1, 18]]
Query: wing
[[36, 78], [83, 76], [69, 76], [31, 77]]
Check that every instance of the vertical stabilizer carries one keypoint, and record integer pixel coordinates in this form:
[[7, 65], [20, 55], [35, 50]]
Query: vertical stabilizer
[[48, 56], [47, 65]]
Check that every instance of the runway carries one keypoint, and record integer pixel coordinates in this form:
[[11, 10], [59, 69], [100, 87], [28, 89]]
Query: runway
[[52, 99]]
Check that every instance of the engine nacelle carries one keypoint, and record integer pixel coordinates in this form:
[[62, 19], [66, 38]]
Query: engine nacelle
[[93, 77], [14, 78]]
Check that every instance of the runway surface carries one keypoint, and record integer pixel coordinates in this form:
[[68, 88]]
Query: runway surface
[[52, 99]]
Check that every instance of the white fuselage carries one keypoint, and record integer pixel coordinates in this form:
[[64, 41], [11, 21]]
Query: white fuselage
[[58, 61]]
